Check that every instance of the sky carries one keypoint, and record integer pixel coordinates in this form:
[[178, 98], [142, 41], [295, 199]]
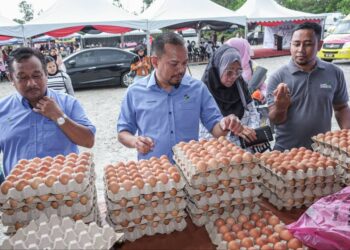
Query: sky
[[10, 10]]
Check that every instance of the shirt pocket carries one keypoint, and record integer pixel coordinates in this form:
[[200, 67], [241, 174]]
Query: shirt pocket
[[53, 137], [187, 115]]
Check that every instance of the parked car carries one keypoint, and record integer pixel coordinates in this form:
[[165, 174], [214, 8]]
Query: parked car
[[99, 67], [336, 46]]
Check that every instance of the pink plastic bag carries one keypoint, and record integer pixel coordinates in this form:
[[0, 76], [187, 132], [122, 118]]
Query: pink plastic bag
[[326, 224]]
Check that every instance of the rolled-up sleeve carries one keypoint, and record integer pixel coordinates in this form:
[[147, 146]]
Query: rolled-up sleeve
[[127, 117], [210, 112]]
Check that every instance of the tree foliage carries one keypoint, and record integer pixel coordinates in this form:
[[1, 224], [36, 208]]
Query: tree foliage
[[27, 10], [117, 3]]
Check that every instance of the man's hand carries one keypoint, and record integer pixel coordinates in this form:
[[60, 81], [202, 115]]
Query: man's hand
[[248, 134], [143, 144], [282, 96], [231, 123], [48, 108]]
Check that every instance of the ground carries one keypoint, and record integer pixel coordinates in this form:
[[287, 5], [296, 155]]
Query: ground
[[102, 106]]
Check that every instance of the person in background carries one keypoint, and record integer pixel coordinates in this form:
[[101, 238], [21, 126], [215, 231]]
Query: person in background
[[303, 94], [54, 53], [248, 66], [37, 121], [166, 107], [223, 77], [141, 63], [57, 79]]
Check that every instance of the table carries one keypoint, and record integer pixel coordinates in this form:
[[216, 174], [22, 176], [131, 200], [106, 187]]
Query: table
[[194, 237]]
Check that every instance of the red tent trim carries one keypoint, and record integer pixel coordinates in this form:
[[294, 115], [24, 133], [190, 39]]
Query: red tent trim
[[111, 29], [4, 38], [64, 32]]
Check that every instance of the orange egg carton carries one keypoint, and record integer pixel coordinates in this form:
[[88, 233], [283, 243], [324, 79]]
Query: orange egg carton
[[259, 230], [58, 175], [200, 219], [134, 179]]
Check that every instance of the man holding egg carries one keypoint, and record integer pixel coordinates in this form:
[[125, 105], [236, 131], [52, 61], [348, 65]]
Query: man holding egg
[[167, 106], [37, 121], [303, 94]]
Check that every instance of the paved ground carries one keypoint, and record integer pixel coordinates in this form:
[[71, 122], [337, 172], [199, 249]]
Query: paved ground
[[103, 105]]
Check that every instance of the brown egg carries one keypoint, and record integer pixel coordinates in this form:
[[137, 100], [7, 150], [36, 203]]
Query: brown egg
[[154, 204], [50, 180], [123, 202], [139, 183], [18, 225], [248, 225], [114, 187], [69, 203], [35, 182], [163, 178], [173, 192], [6, 186], [201, 166], [266, 247], [233, 245], [64, 178], [152, 181], [237, 159], [44, 197], [40, 206], [229, 236], [219, 222], [29, 200], [21, 184], [80, 169], [83, 200], [255, 233], [13, 203], [54, 204], [176, 177], [247, 157], [59, 196], [223, 229], [267, 231], [242, 234], [127, 185], [273, 238], [286, 235], [242, 218], [247, 242], [148, 197], [236, 228], [273, 220], [230, 221], [73, 194], [261, 241], [280, 246], [77, 217], [278, 228], [294, 243]]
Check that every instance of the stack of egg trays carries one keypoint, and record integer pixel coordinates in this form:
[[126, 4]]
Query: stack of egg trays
[[20, 207], [297, 189], [61, 233], [338, 154], [147, 217], [228, 182]]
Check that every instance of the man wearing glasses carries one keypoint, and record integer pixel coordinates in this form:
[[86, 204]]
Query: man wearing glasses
[[37, 121]]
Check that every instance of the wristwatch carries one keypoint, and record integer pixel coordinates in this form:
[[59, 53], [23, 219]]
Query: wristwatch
[[61, 120]]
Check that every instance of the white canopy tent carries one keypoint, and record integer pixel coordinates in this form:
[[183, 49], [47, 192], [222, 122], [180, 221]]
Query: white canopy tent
[[65, 14], [276, 19], [9, 28], [185, 13]]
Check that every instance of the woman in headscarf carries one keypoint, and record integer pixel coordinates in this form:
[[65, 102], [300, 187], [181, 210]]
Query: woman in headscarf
[[141, 64], [223, 76]]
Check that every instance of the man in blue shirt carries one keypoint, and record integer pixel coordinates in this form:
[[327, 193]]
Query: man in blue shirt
[[36, 121], [167, 106]]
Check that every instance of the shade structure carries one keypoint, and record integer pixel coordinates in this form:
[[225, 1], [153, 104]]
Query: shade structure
[[69, 16], [196, 14], [270, 13], [9, 29]]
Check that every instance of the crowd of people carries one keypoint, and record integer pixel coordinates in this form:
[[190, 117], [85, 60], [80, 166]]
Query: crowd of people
[[167, 105]]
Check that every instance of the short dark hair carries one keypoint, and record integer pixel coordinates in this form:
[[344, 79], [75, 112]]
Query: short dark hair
[[309, 26], [166, 38], [24, 53]]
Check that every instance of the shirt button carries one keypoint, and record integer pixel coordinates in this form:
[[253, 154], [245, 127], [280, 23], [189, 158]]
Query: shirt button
[[172, 132], [169, 112]]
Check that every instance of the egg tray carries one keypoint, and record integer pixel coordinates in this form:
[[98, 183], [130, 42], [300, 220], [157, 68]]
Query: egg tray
[[142, 199], [202, 219], [234, 183], [333, 152], [149, 209], [228, 173], [132, 234], [13, 204], [218, 240], [62, 233], [147, 189], [304, 191], [118, 224], [57, 188], [210, 198], [62, 211]]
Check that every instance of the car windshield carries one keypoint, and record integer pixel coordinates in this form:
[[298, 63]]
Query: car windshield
[[343, 27]]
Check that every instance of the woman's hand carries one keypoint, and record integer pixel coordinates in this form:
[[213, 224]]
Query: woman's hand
[[248, 134]]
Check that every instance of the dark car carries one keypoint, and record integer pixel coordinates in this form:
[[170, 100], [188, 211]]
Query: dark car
[[99, 67]]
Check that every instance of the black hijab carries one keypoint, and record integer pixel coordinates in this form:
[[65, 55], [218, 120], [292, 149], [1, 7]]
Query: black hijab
[[228, 99]]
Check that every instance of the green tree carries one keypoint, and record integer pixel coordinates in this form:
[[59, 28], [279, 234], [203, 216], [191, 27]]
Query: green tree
[[117, 3], [27, 10], [233, 5]]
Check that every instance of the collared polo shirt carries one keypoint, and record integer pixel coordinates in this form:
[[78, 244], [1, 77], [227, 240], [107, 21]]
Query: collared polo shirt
[[313, 95], [167, 118], [26, 134]]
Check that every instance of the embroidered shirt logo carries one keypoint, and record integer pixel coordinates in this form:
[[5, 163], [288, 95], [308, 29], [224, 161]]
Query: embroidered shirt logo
[[186, 97], [325, 86]]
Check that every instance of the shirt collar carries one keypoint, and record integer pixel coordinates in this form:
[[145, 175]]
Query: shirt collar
[[293, 68], [152, 80], [25, 102]]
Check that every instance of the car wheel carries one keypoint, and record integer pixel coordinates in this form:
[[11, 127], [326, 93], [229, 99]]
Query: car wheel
[[126, 80], [327, 60]]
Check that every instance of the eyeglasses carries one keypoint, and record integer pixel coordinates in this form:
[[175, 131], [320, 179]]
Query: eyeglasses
[[231, 73]]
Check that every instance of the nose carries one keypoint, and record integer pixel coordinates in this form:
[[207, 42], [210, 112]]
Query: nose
[[31, 82]]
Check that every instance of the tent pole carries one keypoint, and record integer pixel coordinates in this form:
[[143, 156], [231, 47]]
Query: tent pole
[[148, 33], [198, 31], [245, 30]]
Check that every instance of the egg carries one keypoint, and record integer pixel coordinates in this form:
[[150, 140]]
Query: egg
[[50, 180], [148, 197], [21, 184], [280, 246], [266, 247], [247, 242], [294, 243], [13, 203], [223, 229], [123, 202], [248, 225], [29, 200], [267, 231], [273, 220], [236, 228], [35, 182], [25, 209], [233, 245], [166, 202], [80, 169], [278, 228], [154, 204], [163, 178], [18, 225], [6, 186], [242, 218], [152, 181], [273, 238], [77, 217], [83, 200], [176, 177], [286, 235], [139, 183], [127, 185], [69, 203], [201, 166], [64, 178], [254, 232], [40, 206], [135, 200], [73, 194], [230, 221], [229, 236], [242, 234], [237, 159], [261, 241], [59, 196], [44, 197], [54, 204]]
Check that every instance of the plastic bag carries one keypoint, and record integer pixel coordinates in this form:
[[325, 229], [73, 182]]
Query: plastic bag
[[326, 224]]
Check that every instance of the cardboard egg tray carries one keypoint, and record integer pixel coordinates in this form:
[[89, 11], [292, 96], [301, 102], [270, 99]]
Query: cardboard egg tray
[[232, 183], [31, 202], [62, 233], [236, 197], [290, 203], [162, 227], [219, 240], [176, 203], [144, 219]]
